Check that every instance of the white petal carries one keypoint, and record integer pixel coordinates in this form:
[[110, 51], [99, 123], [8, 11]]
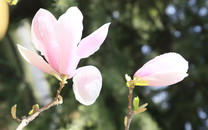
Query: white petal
[[87, 84]]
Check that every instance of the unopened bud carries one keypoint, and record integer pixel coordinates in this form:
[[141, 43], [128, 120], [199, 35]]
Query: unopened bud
[[128, 78], [136, 103], [13, 111]]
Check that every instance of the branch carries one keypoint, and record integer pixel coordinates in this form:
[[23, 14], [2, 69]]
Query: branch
[[137, 109], [56, 101], [128, 118]]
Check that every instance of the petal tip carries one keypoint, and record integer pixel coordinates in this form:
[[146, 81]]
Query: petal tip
[[107, 25]]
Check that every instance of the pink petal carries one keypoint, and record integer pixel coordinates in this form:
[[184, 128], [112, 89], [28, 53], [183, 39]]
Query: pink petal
[[168, 61], [87, 84], [69, 33], [168, 68], [35, 59], [92, 43], [164, 79], [43, 33]]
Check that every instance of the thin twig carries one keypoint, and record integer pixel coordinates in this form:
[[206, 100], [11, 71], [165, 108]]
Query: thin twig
[[130, 112], [55, 101]]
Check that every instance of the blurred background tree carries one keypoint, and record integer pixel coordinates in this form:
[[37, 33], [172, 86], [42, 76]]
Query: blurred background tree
[[139, 30]]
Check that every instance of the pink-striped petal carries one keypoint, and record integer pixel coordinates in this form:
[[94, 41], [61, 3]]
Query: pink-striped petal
[[35, 59], [44, 33], [69, 35], [163, 70], [92, 43], [87, 84]]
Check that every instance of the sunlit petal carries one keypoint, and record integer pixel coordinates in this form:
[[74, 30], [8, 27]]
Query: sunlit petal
[[35, 59], [44, 33], [92, 43], [69, 35], [87, 84], [164, 79], [163, 70]]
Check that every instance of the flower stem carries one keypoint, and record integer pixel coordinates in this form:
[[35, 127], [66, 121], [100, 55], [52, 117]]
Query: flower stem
[[56, 101], [130, 113]]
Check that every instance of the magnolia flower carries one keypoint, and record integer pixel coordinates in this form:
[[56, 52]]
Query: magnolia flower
[[59, 41], [163, 70]]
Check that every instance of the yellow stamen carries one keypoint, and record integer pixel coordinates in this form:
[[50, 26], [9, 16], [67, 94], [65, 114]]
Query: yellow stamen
[[140, 82]]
